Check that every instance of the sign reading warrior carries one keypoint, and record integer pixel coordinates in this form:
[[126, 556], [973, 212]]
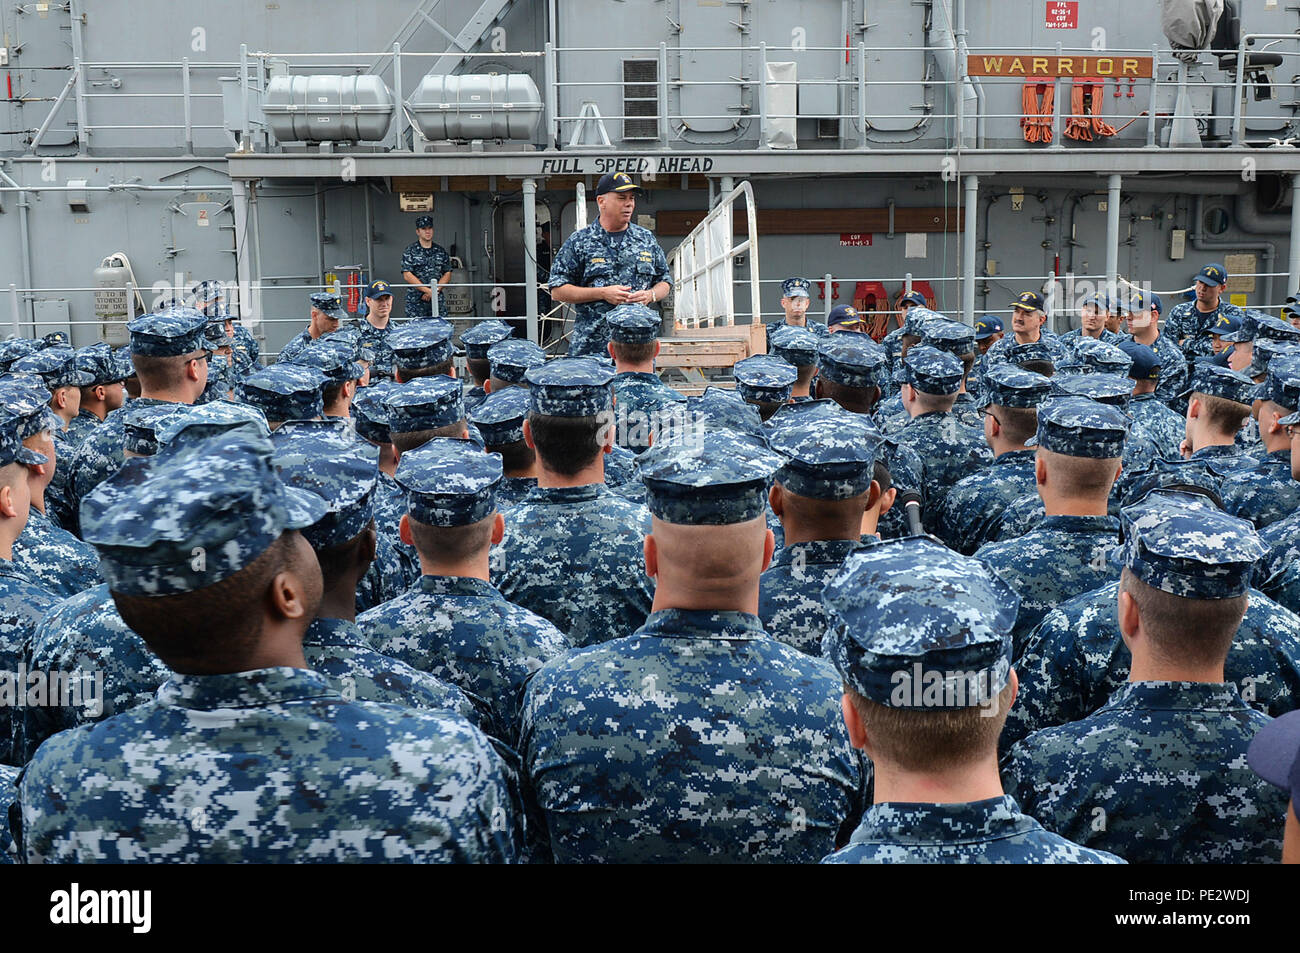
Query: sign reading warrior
[[1027, 66]]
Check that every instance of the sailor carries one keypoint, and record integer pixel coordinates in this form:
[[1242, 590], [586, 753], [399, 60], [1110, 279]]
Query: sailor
[[1143, 327], [797, 346], [642, 402], [426, 267], [1191, 323], [323, 317], [500, 419], [375, 327], [794, 302], [477, 341]]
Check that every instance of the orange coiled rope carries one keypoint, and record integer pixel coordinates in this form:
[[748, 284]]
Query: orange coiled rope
[[1086, 101], [1036, 104]]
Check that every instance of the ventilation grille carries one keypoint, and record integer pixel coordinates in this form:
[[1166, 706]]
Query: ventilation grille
[[641, 99]]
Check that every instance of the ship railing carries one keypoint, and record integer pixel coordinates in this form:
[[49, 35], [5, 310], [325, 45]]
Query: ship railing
[[703, 265]]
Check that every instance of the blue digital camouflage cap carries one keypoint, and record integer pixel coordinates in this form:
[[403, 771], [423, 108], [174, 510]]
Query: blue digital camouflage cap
[[796, 288], [1144, 361], [1099, 356], [56, 366], [851, 359], [844, 316], [510, 360], [285, 391], [1006, 385], [797, 346], [1275, 329], [1184, 545], [335, 359], [99, 361], [1213, 274], [500, 417], [987, 326], [1080, 427], [1032, 351], [1113, 389], [125, 366], [914, 625], [1222, 382], [920, 318], [171, 332], [632, 324], [932, 371], [723, 411], [765, 379], [449, 482], [140, 424], [830, 453], [570, 387], [1283, 384], [191, 517], [11, 443], [206, 291], [425, 403], [482, 336], [27, 400], [1264, 351], [214, 333], [349, 339], [1245, 326], [328, 305], [422, 343], [424, 221], [951, 336], [204, 421], [721, 478], [370, 411], [15, 348], [325, 458]]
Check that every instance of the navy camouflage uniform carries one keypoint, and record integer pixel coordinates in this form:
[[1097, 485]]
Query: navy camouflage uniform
[[594, 258], [1174, 372], [728, 744], [904, 612], [53, 558], [1162, 763], [79, 428], [428, 265], [1193, 327]]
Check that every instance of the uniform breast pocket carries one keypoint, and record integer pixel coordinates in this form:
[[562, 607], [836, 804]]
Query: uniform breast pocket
[[645, 269], [598, 275]]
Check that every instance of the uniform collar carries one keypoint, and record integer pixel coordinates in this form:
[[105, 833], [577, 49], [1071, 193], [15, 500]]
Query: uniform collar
[[1217, 450], [255, 689], [1176, 696], [1015, 457], [339, 632], [564, 494], [458, 586], [1080, 524], [10, 570], [970, 822], [702, 624], [818, 552]]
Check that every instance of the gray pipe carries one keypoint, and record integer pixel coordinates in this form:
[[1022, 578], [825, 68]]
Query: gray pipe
[[1269, 249], [1253, 222], [968, 253], [1175, 184], [1293, 263], [1112, 231], [530, 258], [24, 243]]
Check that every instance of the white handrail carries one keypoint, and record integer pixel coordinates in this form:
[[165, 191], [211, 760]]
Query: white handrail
[[704, 258]]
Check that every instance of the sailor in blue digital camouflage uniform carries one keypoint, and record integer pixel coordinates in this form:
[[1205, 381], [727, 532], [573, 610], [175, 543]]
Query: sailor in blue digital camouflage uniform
[[1152, 418], [641, 400], [572, 551], [798, 347], [51, 556], [893, 341], [608, 263], [170, 358], [335, 359], [921, 639], [989, 331], [820, 494], [244, 718], [22, 600], [101, 395], [509, 361], [1080, 443], [1218, 403], [1093, 318], [1028, 326], [1158, 774], [323, 317], [766, 381], [285, 391], [850, 371], [697, 737], [1266, 492], [972, 510], [14, 349], [374, 327], [58, 369], [795, 299], [1190, 323], [958, 340], [500, 419], [1144, 328], [209, 297], [426, 267], [920, 327], [453, 623], [1075, 659], [949, 450], [477, 341]]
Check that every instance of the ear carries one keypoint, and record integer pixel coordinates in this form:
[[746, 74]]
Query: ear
[[995, 428], [287, 592], [650, 552], [776, 499], [350, 389], [366, 550], [769, 547], [101, 392], [487, 386], [1270, 425], [1040, 471], [1014, 681], [528, 436], [610, 348], [1194, 408], [873, 495], [452, 372], [887, 500], [1130, 620], [404, 530], [7, 507], [656, 347], [857, 732], [498, 528]]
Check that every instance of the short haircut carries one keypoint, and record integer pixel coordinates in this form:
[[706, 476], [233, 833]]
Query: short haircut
[[932, 739], [931, 403], [825, 519], [332, 392], [1080, 476], [452, 544], [231, 613], [406, 442], [858, 400], [479, 368], [766, 408], [434, 371], [880, 473], [498, 384], [1018, 423], [1182, 630], [335, 561], [967, 362], [516, 455], [1223, 415], [160, 373], [1046, 368], [634, 353], [11, 473], [805, 373], [567, 445]]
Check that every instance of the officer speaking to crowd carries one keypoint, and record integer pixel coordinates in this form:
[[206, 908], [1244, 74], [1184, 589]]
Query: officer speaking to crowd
[[945, 600]]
